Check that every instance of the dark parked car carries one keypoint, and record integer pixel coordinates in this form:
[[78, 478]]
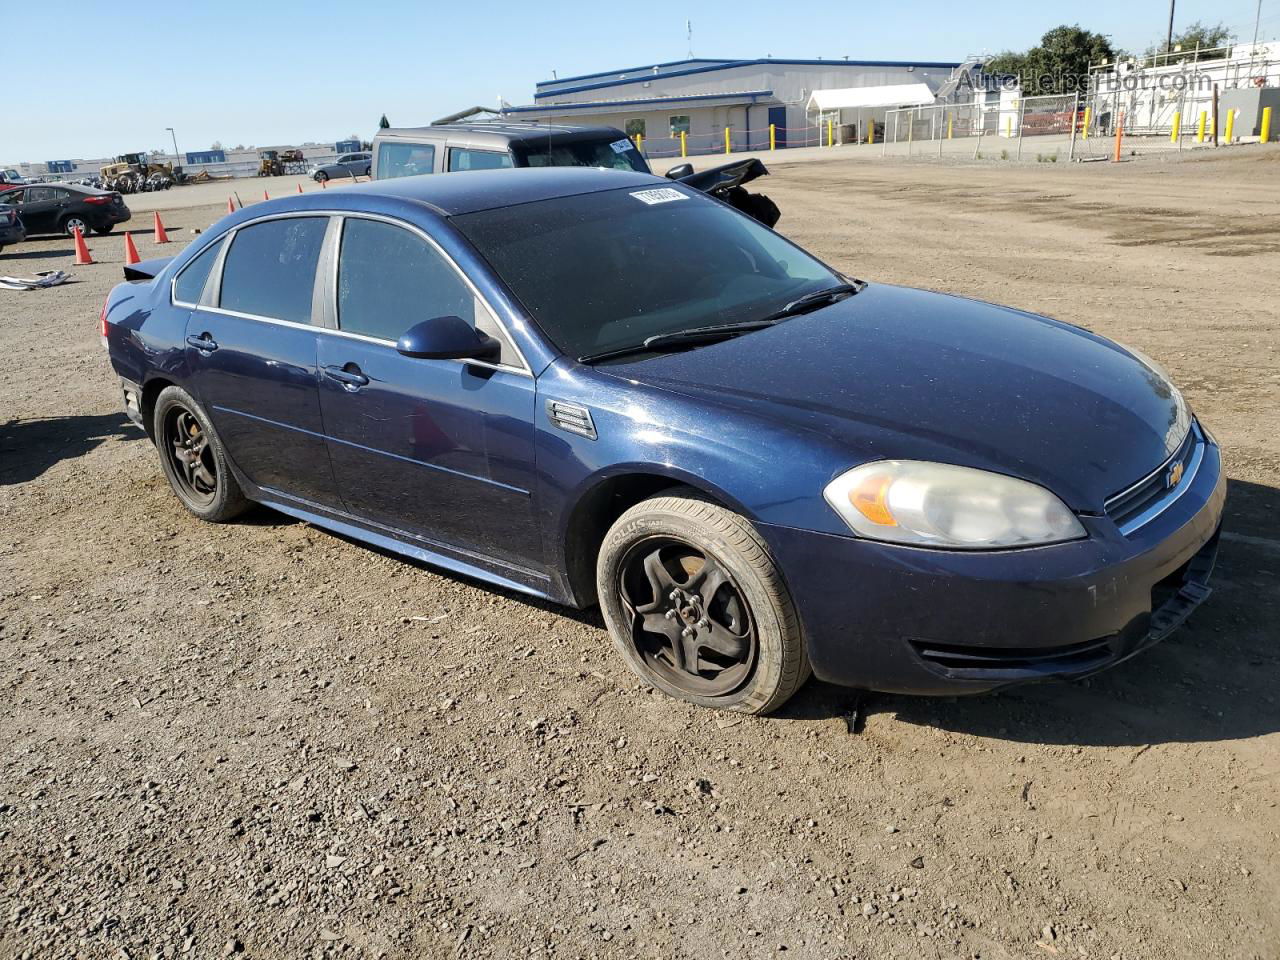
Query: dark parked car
[[11, 227], [600, 386], [349, 165], [491, 145], [60, 209]]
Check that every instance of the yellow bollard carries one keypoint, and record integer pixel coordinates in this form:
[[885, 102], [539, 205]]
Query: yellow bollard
[[727, 147], [1231, 124], [950, 119], [1177, 126], [1204, 121], [639, 138], [871, 131], [1088, 116], [1266, 124], [773, 136], [1008, 127], [684, 143], [830, 142]]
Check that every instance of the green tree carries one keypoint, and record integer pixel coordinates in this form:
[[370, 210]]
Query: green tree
[[1059, 64], [384, 124], [1197, 36]]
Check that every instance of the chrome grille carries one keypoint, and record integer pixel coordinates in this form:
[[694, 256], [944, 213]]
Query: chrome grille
[[1141, 503]]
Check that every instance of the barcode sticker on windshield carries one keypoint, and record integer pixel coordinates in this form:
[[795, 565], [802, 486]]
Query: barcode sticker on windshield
[[621, 146], [660, 195]]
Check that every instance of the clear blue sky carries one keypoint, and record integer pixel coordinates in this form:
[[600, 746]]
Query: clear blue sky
[[109, 77]]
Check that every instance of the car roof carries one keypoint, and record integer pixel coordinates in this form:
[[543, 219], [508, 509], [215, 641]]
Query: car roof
[[453, 194], [73, 187], [498, 132]]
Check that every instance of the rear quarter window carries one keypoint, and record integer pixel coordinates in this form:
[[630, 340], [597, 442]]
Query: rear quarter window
[[405, 159], [190, 284], [270, 270]]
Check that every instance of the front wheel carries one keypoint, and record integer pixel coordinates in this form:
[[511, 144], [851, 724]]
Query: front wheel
[[70, 225], [697, 607], [321, 176], [193, 459]]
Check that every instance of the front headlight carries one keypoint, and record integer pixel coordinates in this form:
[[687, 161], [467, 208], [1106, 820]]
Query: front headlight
[[956, 508]]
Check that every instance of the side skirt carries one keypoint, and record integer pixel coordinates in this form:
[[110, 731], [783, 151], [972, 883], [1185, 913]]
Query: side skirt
[[530, 582]]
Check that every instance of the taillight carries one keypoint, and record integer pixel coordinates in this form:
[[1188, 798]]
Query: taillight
[[102, 320], [105, 198]]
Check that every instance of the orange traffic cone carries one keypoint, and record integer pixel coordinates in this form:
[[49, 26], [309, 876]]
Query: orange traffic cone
[[83, 257], [161, 236], [324, 184], [130, 251], [264, 195], [299, 188], [231, 205]]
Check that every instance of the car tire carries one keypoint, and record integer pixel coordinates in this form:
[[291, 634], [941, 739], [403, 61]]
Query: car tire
[[69, 224], [736, 621], [204, 484], [368, 171], [321, 176], [103, 231]]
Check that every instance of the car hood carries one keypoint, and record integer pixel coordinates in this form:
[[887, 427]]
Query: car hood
[[899, 373]]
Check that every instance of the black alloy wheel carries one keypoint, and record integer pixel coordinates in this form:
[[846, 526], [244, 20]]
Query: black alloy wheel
[[186, 445], [690, 621]]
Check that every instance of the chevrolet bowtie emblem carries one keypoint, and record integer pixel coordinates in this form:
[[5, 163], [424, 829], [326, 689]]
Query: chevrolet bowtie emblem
[[1174, 477]]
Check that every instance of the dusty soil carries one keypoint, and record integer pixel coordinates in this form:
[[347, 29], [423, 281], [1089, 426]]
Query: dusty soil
[[263, 739]]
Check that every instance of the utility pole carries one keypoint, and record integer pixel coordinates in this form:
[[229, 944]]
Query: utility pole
[[177, 158], [1168, 43], [688, 28]]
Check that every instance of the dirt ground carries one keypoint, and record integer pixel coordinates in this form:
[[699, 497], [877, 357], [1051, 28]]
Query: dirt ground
[[264, 739]]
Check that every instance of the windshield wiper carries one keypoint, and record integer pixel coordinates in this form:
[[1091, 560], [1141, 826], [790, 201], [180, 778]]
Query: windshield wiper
[[723, 331], [818, 298], [679, 338]]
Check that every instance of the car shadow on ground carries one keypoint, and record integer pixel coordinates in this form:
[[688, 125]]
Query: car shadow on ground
[[36, 255], [30, 447], [1217, 678]]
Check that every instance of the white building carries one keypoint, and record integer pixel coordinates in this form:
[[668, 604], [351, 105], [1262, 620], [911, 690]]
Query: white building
[[703, 97]]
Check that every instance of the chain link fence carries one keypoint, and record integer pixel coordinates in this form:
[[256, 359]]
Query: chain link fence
[[1044, 129]]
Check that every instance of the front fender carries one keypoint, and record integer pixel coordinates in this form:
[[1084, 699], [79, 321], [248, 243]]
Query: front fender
[[768, 472]]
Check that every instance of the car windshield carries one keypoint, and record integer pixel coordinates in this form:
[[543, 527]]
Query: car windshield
[[616, 154], [606, 271]]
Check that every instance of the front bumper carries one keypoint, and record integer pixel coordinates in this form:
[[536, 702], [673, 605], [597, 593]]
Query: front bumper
[[908, 620], [12, 233]]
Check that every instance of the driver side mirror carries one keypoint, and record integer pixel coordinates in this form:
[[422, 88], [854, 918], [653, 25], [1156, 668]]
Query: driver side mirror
[[680, 171], [447, 338]]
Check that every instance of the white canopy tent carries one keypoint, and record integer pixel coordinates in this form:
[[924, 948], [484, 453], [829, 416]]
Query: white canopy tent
[[889, 95], [828, 104]]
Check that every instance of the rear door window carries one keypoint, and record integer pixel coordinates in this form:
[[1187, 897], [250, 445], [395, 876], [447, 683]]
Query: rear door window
[[405, 159], [190, 284], [464, 158], [270, 270]]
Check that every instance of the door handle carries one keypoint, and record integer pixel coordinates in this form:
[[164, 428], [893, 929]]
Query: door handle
[[204, 343], [351, 380]]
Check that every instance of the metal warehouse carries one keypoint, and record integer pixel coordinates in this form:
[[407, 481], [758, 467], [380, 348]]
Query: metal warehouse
[[719, 104]]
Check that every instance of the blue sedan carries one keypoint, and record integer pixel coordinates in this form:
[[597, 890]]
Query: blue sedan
[[604, 387]]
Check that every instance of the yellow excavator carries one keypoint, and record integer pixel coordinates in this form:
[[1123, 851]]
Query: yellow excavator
[[136, 172], [277, 163]]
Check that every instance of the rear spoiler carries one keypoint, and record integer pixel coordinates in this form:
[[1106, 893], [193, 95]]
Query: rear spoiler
[[146, 269]]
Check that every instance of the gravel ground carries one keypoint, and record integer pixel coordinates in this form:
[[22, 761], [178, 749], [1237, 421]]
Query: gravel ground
[[262, 739]]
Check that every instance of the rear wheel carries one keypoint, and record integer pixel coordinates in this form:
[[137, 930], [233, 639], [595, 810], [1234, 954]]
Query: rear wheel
[[193, 459], [70, 224], [697, 607]]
